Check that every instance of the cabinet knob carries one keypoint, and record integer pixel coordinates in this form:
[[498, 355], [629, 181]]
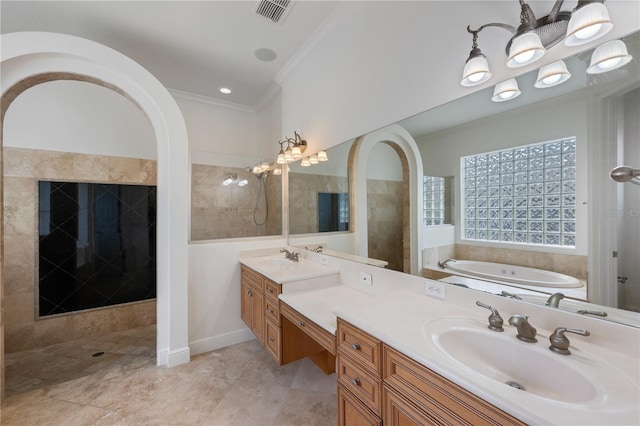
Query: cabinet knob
[[355, 382], [355, 346], [271, 311], [271, 290], [301, 323], [271, 339], [249, 293]]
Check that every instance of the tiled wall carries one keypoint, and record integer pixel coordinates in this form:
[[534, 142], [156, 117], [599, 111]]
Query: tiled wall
[[22, 169], [568, 264], [219, 211], [303, 199], [384, 222]]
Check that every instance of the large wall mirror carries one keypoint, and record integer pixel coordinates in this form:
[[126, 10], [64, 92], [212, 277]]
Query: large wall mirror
[[594, 118], [229, 199]]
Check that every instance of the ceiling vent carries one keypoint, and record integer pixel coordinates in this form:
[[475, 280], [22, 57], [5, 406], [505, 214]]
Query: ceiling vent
[[274, 10]]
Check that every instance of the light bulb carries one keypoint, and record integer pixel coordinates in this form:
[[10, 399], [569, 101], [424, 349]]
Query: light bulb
[[609, 63], [243, 182], [227, 181], [508, 94], [524, 57], [322, 156], [296, 153], [588, 32], [551, 79]]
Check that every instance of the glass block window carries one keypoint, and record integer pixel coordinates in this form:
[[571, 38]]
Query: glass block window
[[523, 195], [434, 200]]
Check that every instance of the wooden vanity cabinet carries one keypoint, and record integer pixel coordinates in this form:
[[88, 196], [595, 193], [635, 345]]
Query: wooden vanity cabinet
[[377, 382], [359, 368], [252, 301], [260, 309]]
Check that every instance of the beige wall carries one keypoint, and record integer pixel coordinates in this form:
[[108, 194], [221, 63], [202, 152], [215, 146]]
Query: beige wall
[[385, 222], [22, 169], [219, 211], [303, 199]]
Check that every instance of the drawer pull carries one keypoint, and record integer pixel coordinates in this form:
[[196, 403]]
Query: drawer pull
[[301, 323], [355, 382], [355, 346]]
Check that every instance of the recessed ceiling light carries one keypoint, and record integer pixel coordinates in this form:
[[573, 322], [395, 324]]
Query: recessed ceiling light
[[265, 54], [225, 90]]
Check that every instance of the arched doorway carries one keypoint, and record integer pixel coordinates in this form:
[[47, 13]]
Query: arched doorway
[[31, 58], [402, 142]]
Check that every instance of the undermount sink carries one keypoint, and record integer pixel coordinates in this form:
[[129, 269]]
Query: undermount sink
[[277, 262], [529, 367]]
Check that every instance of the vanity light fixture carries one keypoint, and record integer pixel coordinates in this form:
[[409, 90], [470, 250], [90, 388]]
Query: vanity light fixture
[[552, 75], [588, 21], [322, 156], [305, 162], [313, 159], [476, 69], [609, 56], [506, 91], [295, 147]]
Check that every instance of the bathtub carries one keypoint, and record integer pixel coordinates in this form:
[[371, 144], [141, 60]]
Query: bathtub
[[519, 275]]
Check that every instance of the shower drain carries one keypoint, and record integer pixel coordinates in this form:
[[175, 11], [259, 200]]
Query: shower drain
[[515, 385]]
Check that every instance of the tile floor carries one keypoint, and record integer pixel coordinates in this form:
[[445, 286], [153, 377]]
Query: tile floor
[[237, 385]]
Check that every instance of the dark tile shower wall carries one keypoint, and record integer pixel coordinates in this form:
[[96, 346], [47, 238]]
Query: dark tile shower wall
[[96, 245]]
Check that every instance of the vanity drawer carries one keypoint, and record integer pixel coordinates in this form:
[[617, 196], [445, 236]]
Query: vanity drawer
[[351, 411], [311, 329], [272, 310], [437, 396], [360, 346], [273, 333], [252, 278], [360, 383], [272, 289]]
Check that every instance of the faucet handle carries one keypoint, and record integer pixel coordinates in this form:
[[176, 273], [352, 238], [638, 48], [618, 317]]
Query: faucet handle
[[495, 320], [560, 342]]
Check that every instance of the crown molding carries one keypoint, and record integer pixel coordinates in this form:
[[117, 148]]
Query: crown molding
[[210, 101], [313, 43], [270, 94]]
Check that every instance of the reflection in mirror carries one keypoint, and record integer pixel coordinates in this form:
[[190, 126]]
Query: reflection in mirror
[[596, 109], [319, 194], [438, 192], [229, 200]]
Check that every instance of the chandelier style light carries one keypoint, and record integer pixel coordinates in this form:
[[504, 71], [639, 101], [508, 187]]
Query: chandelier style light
[[296, 146], [588, 21]]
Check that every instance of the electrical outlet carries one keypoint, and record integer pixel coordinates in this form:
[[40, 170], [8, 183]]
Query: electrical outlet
[[324, 260], [366, 278], [435, 289]]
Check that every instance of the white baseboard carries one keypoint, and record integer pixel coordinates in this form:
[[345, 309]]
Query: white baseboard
[[178, 357], [162, 358], [221, 341]]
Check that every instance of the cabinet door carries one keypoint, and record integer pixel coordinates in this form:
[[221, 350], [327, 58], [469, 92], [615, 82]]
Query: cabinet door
[[258, 315], [246, 306], [352, 412], [400, 412]]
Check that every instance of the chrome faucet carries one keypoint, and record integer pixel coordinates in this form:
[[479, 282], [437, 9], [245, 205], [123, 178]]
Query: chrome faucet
[[526, 332], [554, 300], [560, 343], [444, 264], [495, 320], [317, 249], [291, 255]]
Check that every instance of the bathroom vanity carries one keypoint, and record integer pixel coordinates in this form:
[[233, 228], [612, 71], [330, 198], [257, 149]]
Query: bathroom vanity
[[403, 357]]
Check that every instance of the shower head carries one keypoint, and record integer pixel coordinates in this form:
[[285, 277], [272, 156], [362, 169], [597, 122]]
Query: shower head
[[625, 174]]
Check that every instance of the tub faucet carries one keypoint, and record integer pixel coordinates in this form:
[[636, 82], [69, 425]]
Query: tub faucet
[[554, 300], [444, 264], [526, 332], [291, 255]]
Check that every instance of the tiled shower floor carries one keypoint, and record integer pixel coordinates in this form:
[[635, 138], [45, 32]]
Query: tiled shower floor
[[37, 368], [237, 385]]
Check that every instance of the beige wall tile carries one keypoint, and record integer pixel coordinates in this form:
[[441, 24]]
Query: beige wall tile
[[18, 162], [19, 308]]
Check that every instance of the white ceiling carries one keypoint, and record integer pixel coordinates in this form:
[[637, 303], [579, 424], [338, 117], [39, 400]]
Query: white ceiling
[[191, 46]]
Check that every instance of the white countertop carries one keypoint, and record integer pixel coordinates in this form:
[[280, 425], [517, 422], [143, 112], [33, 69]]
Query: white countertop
[[402, 327], [288, 271]]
